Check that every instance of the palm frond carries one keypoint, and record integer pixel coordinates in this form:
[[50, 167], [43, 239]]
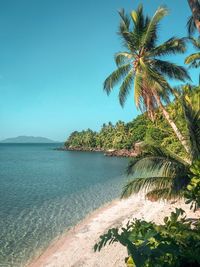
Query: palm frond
[[192, 58], [152, 75], [157, 160], [194, 41], [153, 150], [165, 194], [131, 41], [122, 58], [138, 17], [172, 46], [195, 64], [191, 27], [170, 70], [152, 26], [137, 88], [140, 22], [145, 184], [164, 94], [192, 116], [129, 38], [161, 165], [126, 87], [115, 77], [125, 21]]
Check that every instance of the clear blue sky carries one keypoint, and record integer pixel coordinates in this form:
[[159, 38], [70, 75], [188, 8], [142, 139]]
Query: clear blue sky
[[54, 57]]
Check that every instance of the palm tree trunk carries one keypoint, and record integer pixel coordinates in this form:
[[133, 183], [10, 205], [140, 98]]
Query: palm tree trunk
[[172, 124], [195, 8]]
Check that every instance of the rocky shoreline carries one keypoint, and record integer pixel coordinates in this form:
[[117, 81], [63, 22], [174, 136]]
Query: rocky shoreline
[[121, 153], [108, 153]]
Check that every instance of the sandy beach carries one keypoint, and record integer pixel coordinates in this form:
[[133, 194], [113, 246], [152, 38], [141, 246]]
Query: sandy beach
[[75, 248]]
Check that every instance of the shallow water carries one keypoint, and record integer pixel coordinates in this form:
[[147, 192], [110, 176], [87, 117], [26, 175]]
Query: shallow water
[[43, 192]]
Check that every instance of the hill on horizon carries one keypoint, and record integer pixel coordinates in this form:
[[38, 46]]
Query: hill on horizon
[[28, 139]]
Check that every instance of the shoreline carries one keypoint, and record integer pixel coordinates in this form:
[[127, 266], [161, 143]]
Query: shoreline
[[68, 233], [75, 247], [107, 153]]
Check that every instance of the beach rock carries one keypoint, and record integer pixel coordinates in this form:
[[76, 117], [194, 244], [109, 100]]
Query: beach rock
[[135, 151], [121, 153]]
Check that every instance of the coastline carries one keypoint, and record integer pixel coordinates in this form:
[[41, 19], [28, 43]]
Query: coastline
[[108, 153], [75, 248]]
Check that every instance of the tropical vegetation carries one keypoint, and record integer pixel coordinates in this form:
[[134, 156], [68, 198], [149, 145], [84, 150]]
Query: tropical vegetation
[[124, 135], [142, 65], [175, 243], [158, 171]]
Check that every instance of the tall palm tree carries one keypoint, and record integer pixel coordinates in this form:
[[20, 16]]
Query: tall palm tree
[[141, 65], [160, 173]]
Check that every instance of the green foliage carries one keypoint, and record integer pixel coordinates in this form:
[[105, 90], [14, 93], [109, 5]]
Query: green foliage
[[192, 192], [158, 172], [161, 173], [155, 135], [118, 136], [125, 135], [141, 63], [173, 244], [81, 139], [194, 59], [138, 128]]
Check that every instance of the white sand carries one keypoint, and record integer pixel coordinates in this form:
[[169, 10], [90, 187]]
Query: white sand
[[75, 249]]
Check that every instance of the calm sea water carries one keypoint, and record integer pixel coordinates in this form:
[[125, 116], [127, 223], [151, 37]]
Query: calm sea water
[[43, 192]]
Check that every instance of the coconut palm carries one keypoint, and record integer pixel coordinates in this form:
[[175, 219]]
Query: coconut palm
[[160, 173], [141, 65]]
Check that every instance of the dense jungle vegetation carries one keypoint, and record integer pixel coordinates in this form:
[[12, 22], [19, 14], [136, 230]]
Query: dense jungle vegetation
[[125, 135]]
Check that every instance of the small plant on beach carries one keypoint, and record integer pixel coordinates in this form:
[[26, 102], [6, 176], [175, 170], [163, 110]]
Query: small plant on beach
[[175, 243]]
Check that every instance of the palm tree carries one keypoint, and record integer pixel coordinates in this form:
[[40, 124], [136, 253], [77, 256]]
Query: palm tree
[[160, 173], [140, 65], [194, 20]]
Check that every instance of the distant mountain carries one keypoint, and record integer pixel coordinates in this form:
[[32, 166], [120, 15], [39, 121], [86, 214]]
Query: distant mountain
[[28, 139]]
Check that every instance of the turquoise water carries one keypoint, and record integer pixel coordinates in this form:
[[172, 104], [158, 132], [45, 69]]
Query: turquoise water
[[43, 192]]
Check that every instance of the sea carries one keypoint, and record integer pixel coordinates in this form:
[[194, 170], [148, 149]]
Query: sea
[[44, 192]]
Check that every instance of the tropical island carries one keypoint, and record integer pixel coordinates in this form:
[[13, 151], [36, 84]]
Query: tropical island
[[120, 139], [159, 223]]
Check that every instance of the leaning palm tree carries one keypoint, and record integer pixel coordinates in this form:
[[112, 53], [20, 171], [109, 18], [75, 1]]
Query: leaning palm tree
[[159, 172], [141, 65]]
